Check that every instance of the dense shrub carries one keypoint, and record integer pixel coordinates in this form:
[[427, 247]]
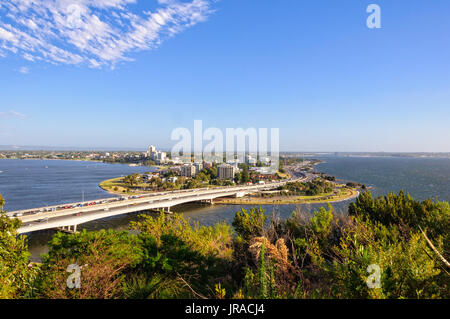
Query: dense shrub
[[16, 278], [187, 259], [319, 255], [105, 258]]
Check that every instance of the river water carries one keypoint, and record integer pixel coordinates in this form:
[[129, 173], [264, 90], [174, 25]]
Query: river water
[[36, 183]]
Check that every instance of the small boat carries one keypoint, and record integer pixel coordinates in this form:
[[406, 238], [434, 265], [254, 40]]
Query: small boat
[[1, 172]]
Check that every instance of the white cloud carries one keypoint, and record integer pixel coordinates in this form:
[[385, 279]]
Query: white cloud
[[24, 70], [12, 114], [97, 33]]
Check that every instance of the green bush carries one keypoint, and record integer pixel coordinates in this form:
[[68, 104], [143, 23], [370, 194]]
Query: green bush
[[319, 255]]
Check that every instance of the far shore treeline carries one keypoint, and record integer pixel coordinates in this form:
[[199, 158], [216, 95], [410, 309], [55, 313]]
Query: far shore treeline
[[387, 247]]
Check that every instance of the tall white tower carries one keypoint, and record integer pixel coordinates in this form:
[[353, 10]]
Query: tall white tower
[[151, 149]]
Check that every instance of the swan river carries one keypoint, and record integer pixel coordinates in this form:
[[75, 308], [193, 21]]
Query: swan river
[[36, 183]]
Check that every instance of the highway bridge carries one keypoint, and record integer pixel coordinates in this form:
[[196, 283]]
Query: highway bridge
[[66, 217]]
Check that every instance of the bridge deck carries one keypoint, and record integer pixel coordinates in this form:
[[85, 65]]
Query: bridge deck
[[56, 216]]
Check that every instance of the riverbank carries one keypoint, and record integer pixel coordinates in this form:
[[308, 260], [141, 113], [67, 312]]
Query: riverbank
[[114, 186], [343, 194]]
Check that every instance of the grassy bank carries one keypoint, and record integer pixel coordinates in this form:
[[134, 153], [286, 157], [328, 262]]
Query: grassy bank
[[114, 186], [341, 195]]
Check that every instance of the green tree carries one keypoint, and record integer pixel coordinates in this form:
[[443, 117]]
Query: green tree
[[132, 180], [16, 279], [262, 273], [245, 176], [249, 224], [321, 221]]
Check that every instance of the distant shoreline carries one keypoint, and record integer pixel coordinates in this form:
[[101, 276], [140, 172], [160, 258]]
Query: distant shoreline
[[79, 160]]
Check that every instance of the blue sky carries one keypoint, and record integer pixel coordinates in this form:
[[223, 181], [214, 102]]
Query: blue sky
[[132, 71]]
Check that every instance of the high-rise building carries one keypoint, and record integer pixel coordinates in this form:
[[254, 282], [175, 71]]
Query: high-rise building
[[188, 170], [226, 171], [198, 167], [161, 156], [151, 150]]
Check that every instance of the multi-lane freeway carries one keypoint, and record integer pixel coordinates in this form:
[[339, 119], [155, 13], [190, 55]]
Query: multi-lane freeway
[[71, 215]]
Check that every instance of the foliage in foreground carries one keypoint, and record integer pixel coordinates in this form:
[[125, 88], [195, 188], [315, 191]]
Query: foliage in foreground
[[15, 277], [323, 255]]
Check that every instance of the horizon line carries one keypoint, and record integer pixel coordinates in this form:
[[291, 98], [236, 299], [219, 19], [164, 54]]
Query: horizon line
[[144, 149]]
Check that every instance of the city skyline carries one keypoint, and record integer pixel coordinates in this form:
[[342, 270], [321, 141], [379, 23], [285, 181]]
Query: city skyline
[[319, 74]]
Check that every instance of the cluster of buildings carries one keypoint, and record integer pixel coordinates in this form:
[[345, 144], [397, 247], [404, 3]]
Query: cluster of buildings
[[158, 157], [224, 171], [251, 160]]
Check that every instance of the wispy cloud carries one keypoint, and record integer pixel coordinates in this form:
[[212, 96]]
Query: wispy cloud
[[24, 70], [12, 114], [97, 33]]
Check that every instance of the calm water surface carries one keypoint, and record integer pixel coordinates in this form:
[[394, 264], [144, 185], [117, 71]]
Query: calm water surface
[[422, 177]]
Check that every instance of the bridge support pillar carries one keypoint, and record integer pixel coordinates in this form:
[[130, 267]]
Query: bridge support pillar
[[240, 194], [207, 201], [68, 229], [167, 210]]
